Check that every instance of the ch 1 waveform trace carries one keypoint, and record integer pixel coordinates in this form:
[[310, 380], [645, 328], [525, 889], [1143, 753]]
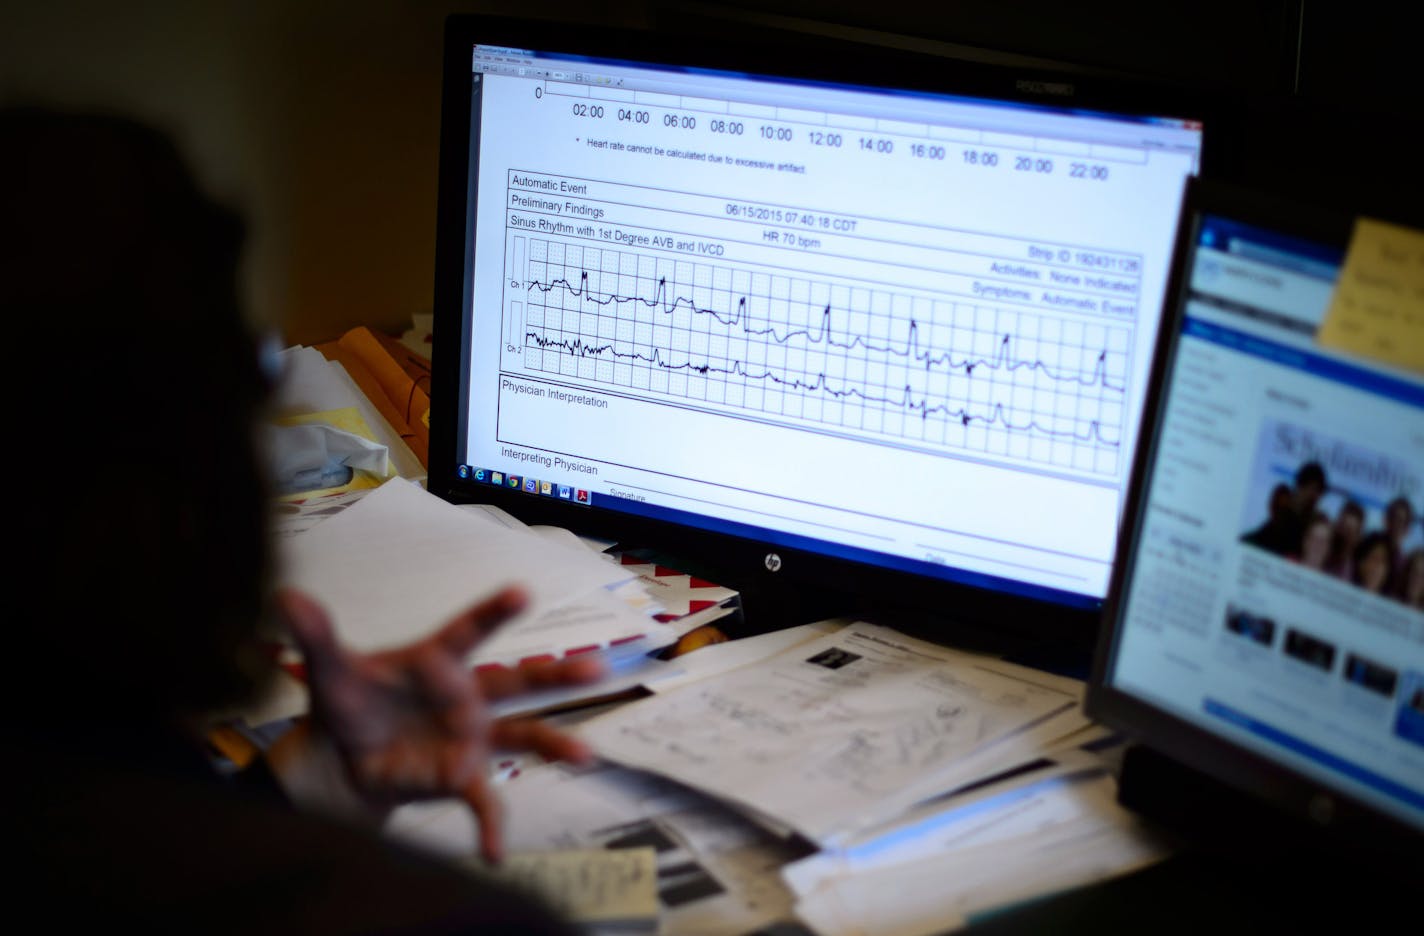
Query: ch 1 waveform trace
[[558, 289]]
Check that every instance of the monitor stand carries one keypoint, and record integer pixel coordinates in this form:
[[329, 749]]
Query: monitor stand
[[1238, 867], [1212, 816]]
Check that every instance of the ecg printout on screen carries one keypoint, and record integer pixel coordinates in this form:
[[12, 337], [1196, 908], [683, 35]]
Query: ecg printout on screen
[[902, 324]]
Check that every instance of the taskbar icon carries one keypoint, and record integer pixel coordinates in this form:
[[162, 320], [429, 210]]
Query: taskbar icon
[[515, 482]]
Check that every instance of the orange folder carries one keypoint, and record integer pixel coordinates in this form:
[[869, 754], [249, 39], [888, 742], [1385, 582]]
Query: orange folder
[[394, 378]]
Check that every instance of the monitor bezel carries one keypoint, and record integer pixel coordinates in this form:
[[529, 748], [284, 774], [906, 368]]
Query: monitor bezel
[[739, 562], [1301, 799]]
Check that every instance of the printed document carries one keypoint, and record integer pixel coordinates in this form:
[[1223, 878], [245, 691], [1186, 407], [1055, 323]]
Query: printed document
[[400, 562], [834, 735], [942, 891]]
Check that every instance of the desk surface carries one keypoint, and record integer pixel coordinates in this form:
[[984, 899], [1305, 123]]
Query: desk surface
[[1203, 890]]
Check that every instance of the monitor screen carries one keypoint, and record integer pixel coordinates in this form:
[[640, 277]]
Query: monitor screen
[[1272, 584], [832, 307]]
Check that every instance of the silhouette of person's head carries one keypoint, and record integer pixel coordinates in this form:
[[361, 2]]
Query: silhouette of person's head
[[145, 545], [1345, 534], [1310, 486], [1315, 542], [1398, 516], [1350, 522], [1374, 561], [1281, 502], [1411, 585]]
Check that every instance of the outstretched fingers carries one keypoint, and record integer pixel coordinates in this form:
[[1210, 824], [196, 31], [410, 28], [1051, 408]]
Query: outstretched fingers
[[311, 628], [464, 632], [489, 812], [446, 692], [502, 682], [530, 734]]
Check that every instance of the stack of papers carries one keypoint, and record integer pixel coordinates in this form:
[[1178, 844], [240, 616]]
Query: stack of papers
[[717, 872], [399, 562], [688, 602], [311, 388], [895, 759], [1051, 837], [393, 564], [839, 775], [842, 733]]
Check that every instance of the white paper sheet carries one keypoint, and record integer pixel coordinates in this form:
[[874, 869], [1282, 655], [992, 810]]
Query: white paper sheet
[[1024, 805], [556, 534], [935, 894], [627, 669], [718, 873], [400, 562], [496, 515], [591, 621], [832, 736], [1012, 750], [309, 383], [716, 659], [291, 518]]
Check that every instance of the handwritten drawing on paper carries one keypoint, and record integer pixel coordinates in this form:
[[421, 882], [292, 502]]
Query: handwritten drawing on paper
[[831, 734]]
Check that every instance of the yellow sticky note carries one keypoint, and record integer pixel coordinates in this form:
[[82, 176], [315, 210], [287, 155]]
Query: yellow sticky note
[[608, 887], [1378, 307]]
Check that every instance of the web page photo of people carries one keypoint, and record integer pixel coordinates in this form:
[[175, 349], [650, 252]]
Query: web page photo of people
[[1339, 509], [1351, 519]]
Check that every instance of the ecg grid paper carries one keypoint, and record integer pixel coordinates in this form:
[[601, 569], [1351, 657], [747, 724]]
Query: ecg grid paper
[[893, 365]]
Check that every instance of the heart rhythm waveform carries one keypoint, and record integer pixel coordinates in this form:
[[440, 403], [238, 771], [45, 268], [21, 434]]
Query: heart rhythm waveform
[[1042, 385]]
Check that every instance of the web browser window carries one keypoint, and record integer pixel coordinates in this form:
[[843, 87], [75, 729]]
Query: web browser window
[[1276, 594]]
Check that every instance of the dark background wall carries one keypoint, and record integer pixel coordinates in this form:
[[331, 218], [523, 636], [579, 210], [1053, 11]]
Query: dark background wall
[[320, 120]]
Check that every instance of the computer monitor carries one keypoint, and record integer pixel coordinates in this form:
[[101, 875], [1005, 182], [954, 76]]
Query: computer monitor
[[828, 318], [1266, 621]]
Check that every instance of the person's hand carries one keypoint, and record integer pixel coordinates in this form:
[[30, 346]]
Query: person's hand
[[413, 722]]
